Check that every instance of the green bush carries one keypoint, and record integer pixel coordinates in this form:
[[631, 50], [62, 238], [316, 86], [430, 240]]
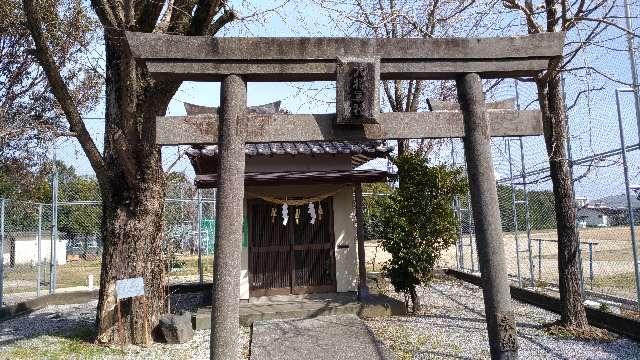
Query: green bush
[[418, 221]]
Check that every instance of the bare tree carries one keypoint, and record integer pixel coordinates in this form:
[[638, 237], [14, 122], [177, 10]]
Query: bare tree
[[587, 24], [29, 115], [403, 19], [129, 169]]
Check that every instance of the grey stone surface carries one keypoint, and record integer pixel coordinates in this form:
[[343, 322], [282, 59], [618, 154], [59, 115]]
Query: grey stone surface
[[309, 59], [321, 338], [452, 326], [203, 129], [357, 94], [226, 272], [307, 306], [176, 328], [486, 216]]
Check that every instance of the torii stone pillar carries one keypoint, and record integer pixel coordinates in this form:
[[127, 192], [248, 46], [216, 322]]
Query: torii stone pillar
[[226, 277], [486, 216]]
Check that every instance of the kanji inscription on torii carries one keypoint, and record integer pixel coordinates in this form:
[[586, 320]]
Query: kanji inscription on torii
[[357, 98]]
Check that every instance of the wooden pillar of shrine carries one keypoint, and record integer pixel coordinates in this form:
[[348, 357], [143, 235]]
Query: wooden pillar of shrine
[[486, 216], [363, 289], [229, 198]]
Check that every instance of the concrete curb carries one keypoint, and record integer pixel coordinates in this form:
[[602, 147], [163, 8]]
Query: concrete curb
[[79, 297], [62, 298], [618, 324]]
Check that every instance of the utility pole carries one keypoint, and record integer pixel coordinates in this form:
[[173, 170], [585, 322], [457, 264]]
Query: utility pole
[[632, 63], [54, 221]]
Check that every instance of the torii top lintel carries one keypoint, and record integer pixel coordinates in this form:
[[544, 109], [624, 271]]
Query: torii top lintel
[[203, 58]]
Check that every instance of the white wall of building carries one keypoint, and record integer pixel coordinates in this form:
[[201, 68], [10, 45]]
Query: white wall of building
[[346, 258], [26, 252]]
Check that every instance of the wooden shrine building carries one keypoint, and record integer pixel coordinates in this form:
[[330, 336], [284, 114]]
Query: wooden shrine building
[[309, 245]]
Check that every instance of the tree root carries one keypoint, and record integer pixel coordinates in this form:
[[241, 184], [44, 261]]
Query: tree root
[[587, 333]]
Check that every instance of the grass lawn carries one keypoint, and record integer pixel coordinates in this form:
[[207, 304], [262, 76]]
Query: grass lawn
[[71, 345], [620, 281], [22, 278]]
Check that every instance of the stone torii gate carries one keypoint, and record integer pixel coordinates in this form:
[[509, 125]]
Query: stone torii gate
[[357, 65]]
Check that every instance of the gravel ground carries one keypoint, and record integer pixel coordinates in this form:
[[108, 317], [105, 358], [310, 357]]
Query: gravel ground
[[60, 332], [452, 325]]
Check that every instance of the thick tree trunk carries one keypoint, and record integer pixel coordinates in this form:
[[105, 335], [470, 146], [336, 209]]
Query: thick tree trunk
[[133, 199], [415, 301], [133, 247], [555, 134], [130, 169]]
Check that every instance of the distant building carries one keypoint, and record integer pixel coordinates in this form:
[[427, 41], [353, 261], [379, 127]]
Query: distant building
[[604, 212], [21, 247], [593, 217]]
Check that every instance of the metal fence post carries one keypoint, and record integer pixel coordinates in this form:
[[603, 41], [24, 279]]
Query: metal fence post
[[39, 239], [470, 220], [54, 223], [591, 265], [539, 260], [632, 63], [199, 236], [2, 209], [625, 166], [514, 210], [527, 220]]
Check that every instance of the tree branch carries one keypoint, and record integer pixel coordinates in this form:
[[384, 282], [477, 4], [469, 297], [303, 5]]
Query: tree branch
[[148, 15], [226, 17], [105, 14], [61, 92], [180, 16], [205, 11]]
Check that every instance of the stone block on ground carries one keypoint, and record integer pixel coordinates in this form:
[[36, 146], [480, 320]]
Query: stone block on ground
[[176, 328]]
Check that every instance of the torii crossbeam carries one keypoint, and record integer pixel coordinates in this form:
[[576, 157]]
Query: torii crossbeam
[[357, 65]]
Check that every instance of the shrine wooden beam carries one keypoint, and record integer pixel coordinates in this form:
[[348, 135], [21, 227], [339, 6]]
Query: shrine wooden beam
[[205, 58], [203, 129]]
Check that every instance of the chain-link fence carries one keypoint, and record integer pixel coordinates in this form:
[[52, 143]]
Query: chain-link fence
[[38, 260], [28, 245], [526, 200], [188, 262]]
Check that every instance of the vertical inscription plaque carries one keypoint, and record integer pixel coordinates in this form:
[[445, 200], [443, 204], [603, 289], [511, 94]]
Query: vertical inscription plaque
[[357, 98]]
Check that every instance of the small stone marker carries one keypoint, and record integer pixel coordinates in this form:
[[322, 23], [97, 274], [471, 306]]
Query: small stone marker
[[357, 99], [177, 329], [90, 282]]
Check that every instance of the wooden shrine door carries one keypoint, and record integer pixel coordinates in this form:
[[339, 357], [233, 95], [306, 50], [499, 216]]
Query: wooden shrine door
[[296, 258]]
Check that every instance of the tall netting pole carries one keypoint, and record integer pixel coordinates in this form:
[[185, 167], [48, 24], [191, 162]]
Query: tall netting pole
[[632, 63], [630, 210]]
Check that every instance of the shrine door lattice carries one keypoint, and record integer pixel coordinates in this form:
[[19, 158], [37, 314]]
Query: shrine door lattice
[[295, 258]]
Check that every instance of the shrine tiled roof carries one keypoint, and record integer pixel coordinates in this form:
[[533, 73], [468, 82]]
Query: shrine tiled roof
[[360, 151], [367, 148]]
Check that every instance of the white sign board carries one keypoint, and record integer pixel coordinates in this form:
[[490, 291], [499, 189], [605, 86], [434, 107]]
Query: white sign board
[[128, 288]]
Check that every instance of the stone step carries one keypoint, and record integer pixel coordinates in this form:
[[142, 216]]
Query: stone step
[[302, 309]]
